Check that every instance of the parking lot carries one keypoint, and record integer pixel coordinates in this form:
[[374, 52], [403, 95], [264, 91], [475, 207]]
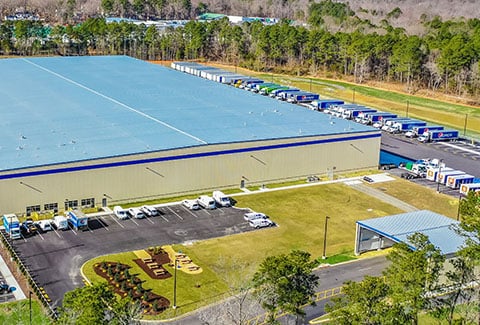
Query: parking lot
[[458, 155], [54, 258]]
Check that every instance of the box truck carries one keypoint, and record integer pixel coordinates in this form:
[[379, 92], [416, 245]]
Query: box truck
[[465, 188], [442, 177], [321, 104], [433, 172], [454, 181], [420, 130], [439, 135], [12, 225], [77, 219]]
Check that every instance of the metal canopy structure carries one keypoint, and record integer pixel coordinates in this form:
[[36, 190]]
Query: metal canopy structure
[[380, 233]]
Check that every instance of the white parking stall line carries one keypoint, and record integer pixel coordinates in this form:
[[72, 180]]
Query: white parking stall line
[[23, 237], [115, 219], [189, 211], [221, 210], [150, 220], [56, 232], [134, 221], [164, 218], [40, 235], [73, 231], [175, 213], [103, 223], [206, 211]]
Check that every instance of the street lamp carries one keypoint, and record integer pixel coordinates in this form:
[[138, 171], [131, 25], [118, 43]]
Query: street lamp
[[175, 285], [324, 256], [438, 175], [465, 125], [458, 210], [30, 303]]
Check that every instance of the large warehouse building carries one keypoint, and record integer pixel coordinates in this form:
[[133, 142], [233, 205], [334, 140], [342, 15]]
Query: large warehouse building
[[83, 131]]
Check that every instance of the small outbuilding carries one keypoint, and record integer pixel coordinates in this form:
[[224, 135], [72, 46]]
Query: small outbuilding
[[380, 233]]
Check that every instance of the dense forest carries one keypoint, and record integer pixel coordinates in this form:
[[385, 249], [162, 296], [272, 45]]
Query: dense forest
[[444, 58]]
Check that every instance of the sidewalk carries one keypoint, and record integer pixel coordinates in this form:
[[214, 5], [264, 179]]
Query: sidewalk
[[10, 280]]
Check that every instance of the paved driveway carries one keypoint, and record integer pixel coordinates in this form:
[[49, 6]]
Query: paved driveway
[[54, 258]]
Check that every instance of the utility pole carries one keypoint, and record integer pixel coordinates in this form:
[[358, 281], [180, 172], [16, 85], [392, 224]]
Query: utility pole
[[324, 256]]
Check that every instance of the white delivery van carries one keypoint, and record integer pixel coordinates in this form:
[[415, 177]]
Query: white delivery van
[[45, 225], [120, 212], [206, 202], [149, 210], [260, 223], [136, 213], [60, 222], [221, 199]]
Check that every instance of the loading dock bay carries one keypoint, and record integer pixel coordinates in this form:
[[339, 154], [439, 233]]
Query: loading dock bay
[[54, 258]]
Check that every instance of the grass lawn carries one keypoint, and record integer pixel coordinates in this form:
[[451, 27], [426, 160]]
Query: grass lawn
[[300, 214], [193, 290], [421, 197], [19, 313]]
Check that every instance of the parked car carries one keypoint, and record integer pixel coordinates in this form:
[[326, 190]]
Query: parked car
[[191, 204], [136, 213], [45, 225], [28, 227], [254, 216], [261, 223], [121, 213], [149, 211]]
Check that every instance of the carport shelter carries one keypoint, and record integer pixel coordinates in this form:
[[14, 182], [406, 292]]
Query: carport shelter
[[380, 233]]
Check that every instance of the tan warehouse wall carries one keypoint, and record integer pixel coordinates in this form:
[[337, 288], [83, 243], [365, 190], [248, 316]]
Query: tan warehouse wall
[[148, 180]]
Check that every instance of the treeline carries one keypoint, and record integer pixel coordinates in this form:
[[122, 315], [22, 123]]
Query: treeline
[[445, 58]]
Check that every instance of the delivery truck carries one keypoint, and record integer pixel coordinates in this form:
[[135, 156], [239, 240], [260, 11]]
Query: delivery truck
[[454, 181], [465, 188], [439, 135], [12, 226], [302, 97], [420, 130], [321, 104], [442, 177], [77, 219]]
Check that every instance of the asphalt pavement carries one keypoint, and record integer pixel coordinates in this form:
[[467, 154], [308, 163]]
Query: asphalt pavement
[[459, 155], [55, 258]]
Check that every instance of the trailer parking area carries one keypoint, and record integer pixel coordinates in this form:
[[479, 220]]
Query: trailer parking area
[[54, 258]]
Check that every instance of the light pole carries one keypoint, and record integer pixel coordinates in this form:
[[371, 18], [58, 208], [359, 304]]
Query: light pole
[[324, 256], [438, 175], [459, 202], [408, 103], [30, 303], [175, 285], [465, 125]]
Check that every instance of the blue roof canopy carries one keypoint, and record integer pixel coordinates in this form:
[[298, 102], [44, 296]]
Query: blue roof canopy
[[438, 228]]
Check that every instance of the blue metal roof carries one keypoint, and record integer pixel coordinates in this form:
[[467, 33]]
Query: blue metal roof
[[437, 227], [64, 109]]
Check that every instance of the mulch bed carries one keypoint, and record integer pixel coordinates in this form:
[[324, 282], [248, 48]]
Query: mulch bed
[[127, 285], [149, 271], [158, 256]]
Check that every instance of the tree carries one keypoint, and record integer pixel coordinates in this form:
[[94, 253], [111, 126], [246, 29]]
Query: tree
[[285, 282], [97, 304], [469, 211], [413, 273], [362, 302], [87, 305]]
